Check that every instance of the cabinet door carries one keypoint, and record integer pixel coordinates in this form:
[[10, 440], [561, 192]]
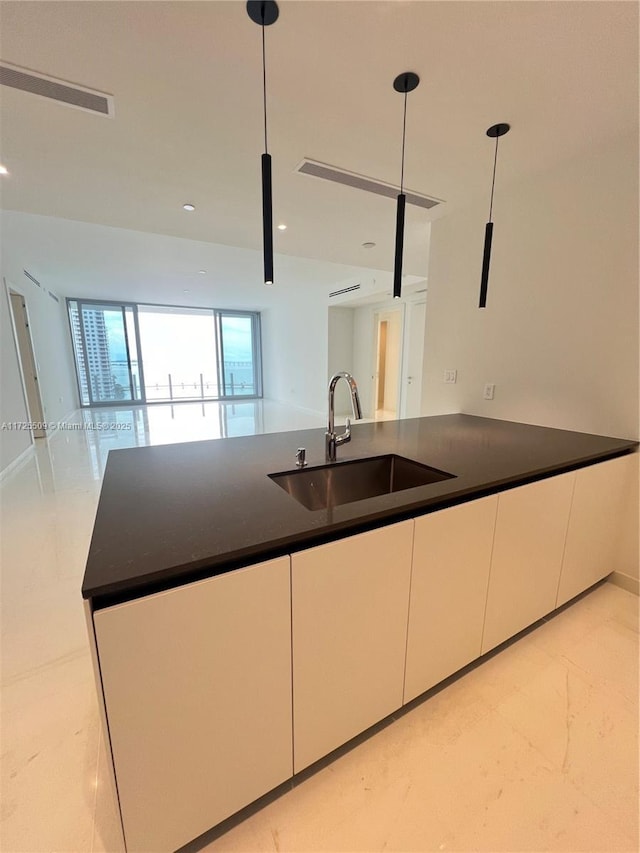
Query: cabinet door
[[531, 528], [449, 579], [594, 524], [197, 687], [349, 602]]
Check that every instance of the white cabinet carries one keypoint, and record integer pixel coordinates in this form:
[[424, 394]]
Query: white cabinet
[[217, 691], [528, 546], [349, 607], [197, 687], [594, 525], [450, 574]]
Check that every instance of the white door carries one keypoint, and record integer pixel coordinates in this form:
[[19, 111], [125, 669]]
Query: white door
[[528, 544], [350, 602], [449, 581], [594, 524], [27, 361], [414, 349], [197, 689]]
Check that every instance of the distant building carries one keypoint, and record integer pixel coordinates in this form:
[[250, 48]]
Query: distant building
[[98, 367]]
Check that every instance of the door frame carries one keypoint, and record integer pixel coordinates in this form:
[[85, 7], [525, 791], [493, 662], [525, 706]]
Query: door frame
[[29, 378], [123, 305], [380, 313]]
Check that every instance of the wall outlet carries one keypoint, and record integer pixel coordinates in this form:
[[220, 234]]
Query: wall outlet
[[450, 377], [489, 391]]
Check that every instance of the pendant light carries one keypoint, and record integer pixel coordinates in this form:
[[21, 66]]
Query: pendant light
[[494, 132], [265, 13], [404, 83]]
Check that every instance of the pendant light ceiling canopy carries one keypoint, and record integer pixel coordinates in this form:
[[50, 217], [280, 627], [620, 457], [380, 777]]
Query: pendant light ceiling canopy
[[264, 13], [494, 132], [404, 83]]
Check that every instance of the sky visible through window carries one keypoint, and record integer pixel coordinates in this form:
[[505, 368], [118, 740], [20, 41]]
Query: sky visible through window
[[182, 344]]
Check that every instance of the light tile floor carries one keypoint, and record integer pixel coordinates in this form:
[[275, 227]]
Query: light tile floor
[[535, 748]]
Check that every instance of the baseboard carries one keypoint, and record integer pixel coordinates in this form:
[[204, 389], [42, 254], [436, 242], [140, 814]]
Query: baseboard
[[625, 582], [17, 462]]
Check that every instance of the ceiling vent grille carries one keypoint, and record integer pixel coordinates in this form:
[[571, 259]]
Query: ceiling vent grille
[[32, 278], [360, 182], [344, 290], [56, 90]]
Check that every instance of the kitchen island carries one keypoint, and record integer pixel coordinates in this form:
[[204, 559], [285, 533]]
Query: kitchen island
[[239, 636]]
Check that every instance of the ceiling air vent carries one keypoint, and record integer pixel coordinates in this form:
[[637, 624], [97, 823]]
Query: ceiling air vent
[[32, 278], [360, 182], [56, 90], [344, 290]]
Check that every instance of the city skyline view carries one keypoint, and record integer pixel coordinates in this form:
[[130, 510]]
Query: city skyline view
[[178, 352]]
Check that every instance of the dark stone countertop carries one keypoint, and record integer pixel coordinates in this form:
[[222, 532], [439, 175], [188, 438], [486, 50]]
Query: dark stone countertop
[[180, 512]]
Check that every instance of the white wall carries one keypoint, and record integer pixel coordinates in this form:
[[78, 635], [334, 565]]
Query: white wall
[[340, 355], [559, 336], [12, 402], [294, 346]]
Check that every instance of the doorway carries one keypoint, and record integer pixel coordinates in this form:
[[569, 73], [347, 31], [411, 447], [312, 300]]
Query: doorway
[[28, 364], [388, 326]]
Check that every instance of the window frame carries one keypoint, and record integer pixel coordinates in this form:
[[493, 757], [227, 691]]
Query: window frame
[[218, 315]]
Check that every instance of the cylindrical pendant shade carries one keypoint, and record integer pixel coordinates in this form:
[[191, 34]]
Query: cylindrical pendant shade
[[397, 267], [267, 219], [486, 260]]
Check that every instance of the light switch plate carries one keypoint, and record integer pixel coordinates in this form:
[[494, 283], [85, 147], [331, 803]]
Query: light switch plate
[[451, 377], [489, 391]]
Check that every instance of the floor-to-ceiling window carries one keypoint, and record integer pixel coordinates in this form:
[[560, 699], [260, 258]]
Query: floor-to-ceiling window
[[178, 347], [237, 335], [157, 353]]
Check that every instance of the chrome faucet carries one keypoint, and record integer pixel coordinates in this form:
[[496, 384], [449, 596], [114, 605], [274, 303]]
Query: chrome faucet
[[331, 439]]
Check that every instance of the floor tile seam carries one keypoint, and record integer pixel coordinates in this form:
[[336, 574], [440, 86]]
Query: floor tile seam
[[611, 686], [557, 768], [34, 672], [587, 676]]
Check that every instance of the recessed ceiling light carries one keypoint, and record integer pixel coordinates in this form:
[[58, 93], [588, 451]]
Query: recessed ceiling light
[[202, 272], [368, 245], [3, 170], [282, 227], [188, 207]]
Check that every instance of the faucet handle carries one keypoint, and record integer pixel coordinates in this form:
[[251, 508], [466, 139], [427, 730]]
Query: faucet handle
[[301, 453]]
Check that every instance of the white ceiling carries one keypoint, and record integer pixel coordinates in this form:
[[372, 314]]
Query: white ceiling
[[99, 262], [186, 79]]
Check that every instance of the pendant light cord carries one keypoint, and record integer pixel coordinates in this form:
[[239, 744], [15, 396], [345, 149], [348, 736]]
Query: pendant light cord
[[264, 89], [404, 132], [493, 181]]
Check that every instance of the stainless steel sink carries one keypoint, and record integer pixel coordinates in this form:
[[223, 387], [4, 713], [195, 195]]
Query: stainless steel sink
[[344, 482]]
